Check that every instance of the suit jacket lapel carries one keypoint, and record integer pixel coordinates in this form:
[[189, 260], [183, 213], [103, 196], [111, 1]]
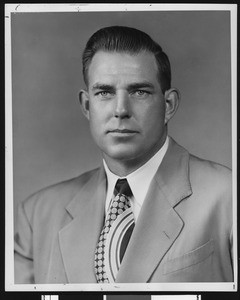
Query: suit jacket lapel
[[158, 224], [78, 239], [157, 227]]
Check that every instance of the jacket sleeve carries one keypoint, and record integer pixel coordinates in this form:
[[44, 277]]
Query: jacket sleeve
[[23, 249]]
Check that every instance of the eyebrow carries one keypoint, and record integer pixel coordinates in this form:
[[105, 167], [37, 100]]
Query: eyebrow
[[132, 86], [101, 86], [140, 85]]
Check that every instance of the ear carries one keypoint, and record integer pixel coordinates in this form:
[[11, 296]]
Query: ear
[[84, 102], [172, 99]]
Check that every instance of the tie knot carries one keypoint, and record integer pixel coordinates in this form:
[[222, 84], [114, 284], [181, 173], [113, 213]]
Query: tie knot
[[122, 187]]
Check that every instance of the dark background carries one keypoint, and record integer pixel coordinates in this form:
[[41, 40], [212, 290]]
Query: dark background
[[124, 296]]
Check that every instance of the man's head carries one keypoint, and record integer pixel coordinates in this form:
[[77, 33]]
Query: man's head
[[129, 99], [126, 40]]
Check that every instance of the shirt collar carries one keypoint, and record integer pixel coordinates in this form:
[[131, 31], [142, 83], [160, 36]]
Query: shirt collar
[[141, 177]]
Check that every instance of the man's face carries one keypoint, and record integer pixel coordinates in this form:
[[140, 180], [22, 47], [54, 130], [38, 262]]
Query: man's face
[[126, 106]]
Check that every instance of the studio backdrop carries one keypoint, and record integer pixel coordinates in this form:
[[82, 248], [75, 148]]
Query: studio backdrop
[[51, 137]]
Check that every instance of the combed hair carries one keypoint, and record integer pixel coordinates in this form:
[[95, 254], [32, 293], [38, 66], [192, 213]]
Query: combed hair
[[129, 40]]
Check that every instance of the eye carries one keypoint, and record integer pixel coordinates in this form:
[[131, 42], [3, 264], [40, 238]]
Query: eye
[[104, 94], [141, 93]]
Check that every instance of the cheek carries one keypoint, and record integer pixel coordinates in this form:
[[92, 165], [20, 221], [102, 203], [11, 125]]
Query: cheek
[[95, 115], [97, 125], [99, 111], [153, 117]]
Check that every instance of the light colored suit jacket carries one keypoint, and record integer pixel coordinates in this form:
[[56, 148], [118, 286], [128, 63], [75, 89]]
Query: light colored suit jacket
[[183, 232]]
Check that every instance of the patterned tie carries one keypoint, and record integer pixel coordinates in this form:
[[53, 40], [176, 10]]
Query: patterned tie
[[115, 234]]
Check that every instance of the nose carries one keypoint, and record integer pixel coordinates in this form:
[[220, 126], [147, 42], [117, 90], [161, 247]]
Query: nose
[[122, 108]]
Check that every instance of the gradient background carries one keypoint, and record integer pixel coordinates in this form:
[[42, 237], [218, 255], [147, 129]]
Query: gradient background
[[51, 138]]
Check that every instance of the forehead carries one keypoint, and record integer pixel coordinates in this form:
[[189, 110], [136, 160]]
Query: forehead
[[124, 67]]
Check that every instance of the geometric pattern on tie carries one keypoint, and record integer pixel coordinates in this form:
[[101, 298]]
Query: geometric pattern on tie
[[115, 234]]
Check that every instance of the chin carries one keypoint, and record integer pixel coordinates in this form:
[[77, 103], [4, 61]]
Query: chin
[[122, 154]]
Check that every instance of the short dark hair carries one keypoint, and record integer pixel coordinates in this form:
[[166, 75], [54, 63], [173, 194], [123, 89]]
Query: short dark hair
[[129, 40]]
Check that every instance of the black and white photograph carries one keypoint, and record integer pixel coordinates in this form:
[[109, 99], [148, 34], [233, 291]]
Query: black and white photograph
[[121, 147]]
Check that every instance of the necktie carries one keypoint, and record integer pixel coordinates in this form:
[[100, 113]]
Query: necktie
[[115, 234]]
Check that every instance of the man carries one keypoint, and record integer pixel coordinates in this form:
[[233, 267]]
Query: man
[[152, 212]]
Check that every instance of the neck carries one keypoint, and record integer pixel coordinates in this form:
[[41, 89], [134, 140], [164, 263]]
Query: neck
[[122, 168]]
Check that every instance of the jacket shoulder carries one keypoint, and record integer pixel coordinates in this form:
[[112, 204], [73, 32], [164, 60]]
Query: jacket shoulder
[[208, 174], [209, 166], [55, 197]]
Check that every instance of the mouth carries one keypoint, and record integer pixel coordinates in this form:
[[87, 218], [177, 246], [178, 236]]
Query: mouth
[[122, 132]]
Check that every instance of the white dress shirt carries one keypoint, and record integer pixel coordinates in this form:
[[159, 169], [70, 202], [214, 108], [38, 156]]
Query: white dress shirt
[[139, 180]]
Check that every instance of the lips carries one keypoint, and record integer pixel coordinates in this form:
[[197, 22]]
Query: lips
[[122, 131]]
